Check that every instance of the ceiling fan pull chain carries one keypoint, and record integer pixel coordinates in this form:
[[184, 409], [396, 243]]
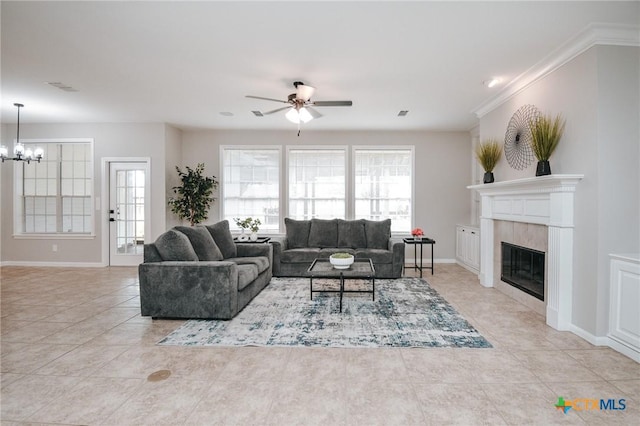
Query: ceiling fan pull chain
[[298, 129]]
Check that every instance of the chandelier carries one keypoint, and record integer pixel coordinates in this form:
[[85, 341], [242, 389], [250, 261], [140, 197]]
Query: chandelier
[[19, 151]]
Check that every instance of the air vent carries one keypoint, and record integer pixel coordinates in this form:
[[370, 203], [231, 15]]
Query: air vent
[[257, 113], [403, 113], [61, 86], [226, 114]]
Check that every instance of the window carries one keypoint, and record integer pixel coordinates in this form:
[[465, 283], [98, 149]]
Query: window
[[383, 185], [251, 185], [322, 182], [56, 194], [317, 183]]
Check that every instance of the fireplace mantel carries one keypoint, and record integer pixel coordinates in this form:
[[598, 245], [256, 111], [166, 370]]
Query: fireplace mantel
[[545, 200]]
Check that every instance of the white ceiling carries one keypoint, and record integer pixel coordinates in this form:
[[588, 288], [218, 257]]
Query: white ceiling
[[184, 63]]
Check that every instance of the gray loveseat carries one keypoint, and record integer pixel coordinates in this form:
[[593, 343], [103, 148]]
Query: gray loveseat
[[199, 272], [307, 240]]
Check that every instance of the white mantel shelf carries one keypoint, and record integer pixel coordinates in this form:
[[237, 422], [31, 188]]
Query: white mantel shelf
[[538, 184], [545, 200]]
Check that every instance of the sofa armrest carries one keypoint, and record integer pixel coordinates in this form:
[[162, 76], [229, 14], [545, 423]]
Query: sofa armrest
[[397, 246], [189, 289], [253, 250], [279, 245]]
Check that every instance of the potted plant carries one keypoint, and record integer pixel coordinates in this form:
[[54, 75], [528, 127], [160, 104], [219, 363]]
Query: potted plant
[[250, 224], [488, 153], [417, 233], [341, 260], [545, 136], [194, 195]]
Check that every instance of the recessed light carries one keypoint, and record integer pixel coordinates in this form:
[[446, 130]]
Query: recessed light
[[491, 83], [403, 113], [227, 114]]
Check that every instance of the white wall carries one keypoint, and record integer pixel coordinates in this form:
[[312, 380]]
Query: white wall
[[597, 93], [442, 169], [111, 140], [173, 151]]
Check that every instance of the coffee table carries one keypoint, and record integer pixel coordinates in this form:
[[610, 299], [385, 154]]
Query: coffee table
[[360, 269]]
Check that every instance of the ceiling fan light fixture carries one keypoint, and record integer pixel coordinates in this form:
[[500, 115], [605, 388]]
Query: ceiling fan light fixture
[[305, 115], [304, 92], [292, 116]]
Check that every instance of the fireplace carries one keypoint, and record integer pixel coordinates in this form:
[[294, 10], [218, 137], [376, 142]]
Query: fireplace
[[523, 268]]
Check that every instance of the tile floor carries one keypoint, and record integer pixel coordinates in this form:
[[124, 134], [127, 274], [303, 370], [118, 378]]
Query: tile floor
[[75, 351]]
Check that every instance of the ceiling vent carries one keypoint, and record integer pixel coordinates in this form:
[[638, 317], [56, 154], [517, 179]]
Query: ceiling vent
[[403, 113], [257, 113], [61, 86]]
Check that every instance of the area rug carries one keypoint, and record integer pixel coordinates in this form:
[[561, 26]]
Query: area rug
[[406, 312]]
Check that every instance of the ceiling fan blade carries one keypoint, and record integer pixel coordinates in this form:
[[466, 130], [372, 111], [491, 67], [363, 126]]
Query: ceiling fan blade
[[266, 99], [314, 113], [276, 110], [331, 103]]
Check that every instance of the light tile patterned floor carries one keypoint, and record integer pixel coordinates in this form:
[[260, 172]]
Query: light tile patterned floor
[[74, 350]]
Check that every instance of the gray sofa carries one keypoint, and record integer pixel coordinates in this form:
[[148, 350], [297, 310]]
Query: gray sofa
[[307, 240], [199, 272]]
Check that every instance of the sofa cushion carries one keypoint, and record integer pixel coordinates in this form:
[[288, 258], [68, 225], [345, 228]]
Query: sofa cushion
[[174, 245], [246, 275], [223, 238], [377, 256], [201, 241], [297, 233], [300, 255], [323, 233], [378, 233], [351, 233], [261, 262]]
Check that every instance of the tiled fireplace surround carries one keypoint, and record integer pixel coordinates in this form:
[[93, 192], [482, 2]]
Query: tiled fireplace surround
[[537, 213]]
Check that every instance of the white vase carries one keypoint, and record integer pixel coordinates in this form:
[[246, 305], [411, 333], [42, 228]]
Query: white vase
[[243, 236], [253, 236]]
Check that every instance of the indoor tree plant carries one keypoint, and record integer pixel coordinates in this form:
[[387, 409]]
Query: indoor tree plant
[[545, 136], [488, 153], [193, 195]]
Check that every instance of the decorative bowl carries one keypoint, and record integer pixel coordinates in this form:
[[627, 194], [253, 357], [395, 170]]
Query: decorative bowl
[[341, 260]]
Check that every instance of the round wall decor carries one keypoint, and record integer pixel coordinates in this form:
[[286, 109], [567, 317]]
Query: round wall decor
[[517, 139]]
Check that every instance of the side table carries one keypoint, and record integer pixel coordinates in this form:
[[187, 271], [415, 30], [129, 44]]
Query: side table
[[260, 240], [420, 243]]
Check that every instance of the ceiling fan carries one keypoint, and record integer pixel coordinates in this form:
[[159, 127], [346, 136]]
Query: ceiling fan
[[300, 105]]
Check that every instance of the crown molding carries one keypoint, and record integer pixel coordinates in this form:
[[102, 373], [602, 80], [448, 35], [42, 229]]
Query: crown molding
[[593, 34]]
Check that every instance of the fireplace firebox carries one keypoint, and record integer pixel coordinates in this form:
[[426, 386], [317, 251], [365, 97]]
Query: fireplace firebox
[[523, 268]]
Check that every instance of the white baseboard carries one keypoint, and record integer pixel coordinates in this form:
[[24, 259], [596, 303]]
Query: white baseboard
[[606, 341], [425, 261], [54, 264]]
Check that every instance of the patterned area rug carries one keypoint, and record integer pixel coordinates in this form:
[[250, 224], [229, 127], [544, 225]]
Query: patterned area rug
[[407, 312]]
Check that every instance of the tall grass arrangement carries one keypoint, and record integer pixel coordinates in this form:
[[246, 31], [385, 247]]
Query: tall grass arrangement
[[545, 135], [488, 153]]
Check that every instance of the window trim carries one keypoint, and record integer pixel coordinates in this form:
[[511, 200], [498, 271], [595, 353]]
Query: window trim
[[18, 206]]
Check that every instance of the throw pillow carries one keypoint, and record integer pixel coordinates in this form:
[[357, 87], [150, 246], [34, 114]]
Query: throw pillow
[[201, 241], [323, 233], [297, 233], [223, 238], [351, 234], [174, 245], [378, 233]]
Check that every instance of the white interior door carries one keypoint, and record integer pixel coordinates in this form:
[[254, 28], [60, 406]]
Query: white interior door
[[128, 212]]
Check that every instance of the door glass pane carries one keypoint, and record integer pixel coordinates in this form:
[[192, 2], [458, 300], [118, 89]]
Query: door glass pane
[[130, 211]]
